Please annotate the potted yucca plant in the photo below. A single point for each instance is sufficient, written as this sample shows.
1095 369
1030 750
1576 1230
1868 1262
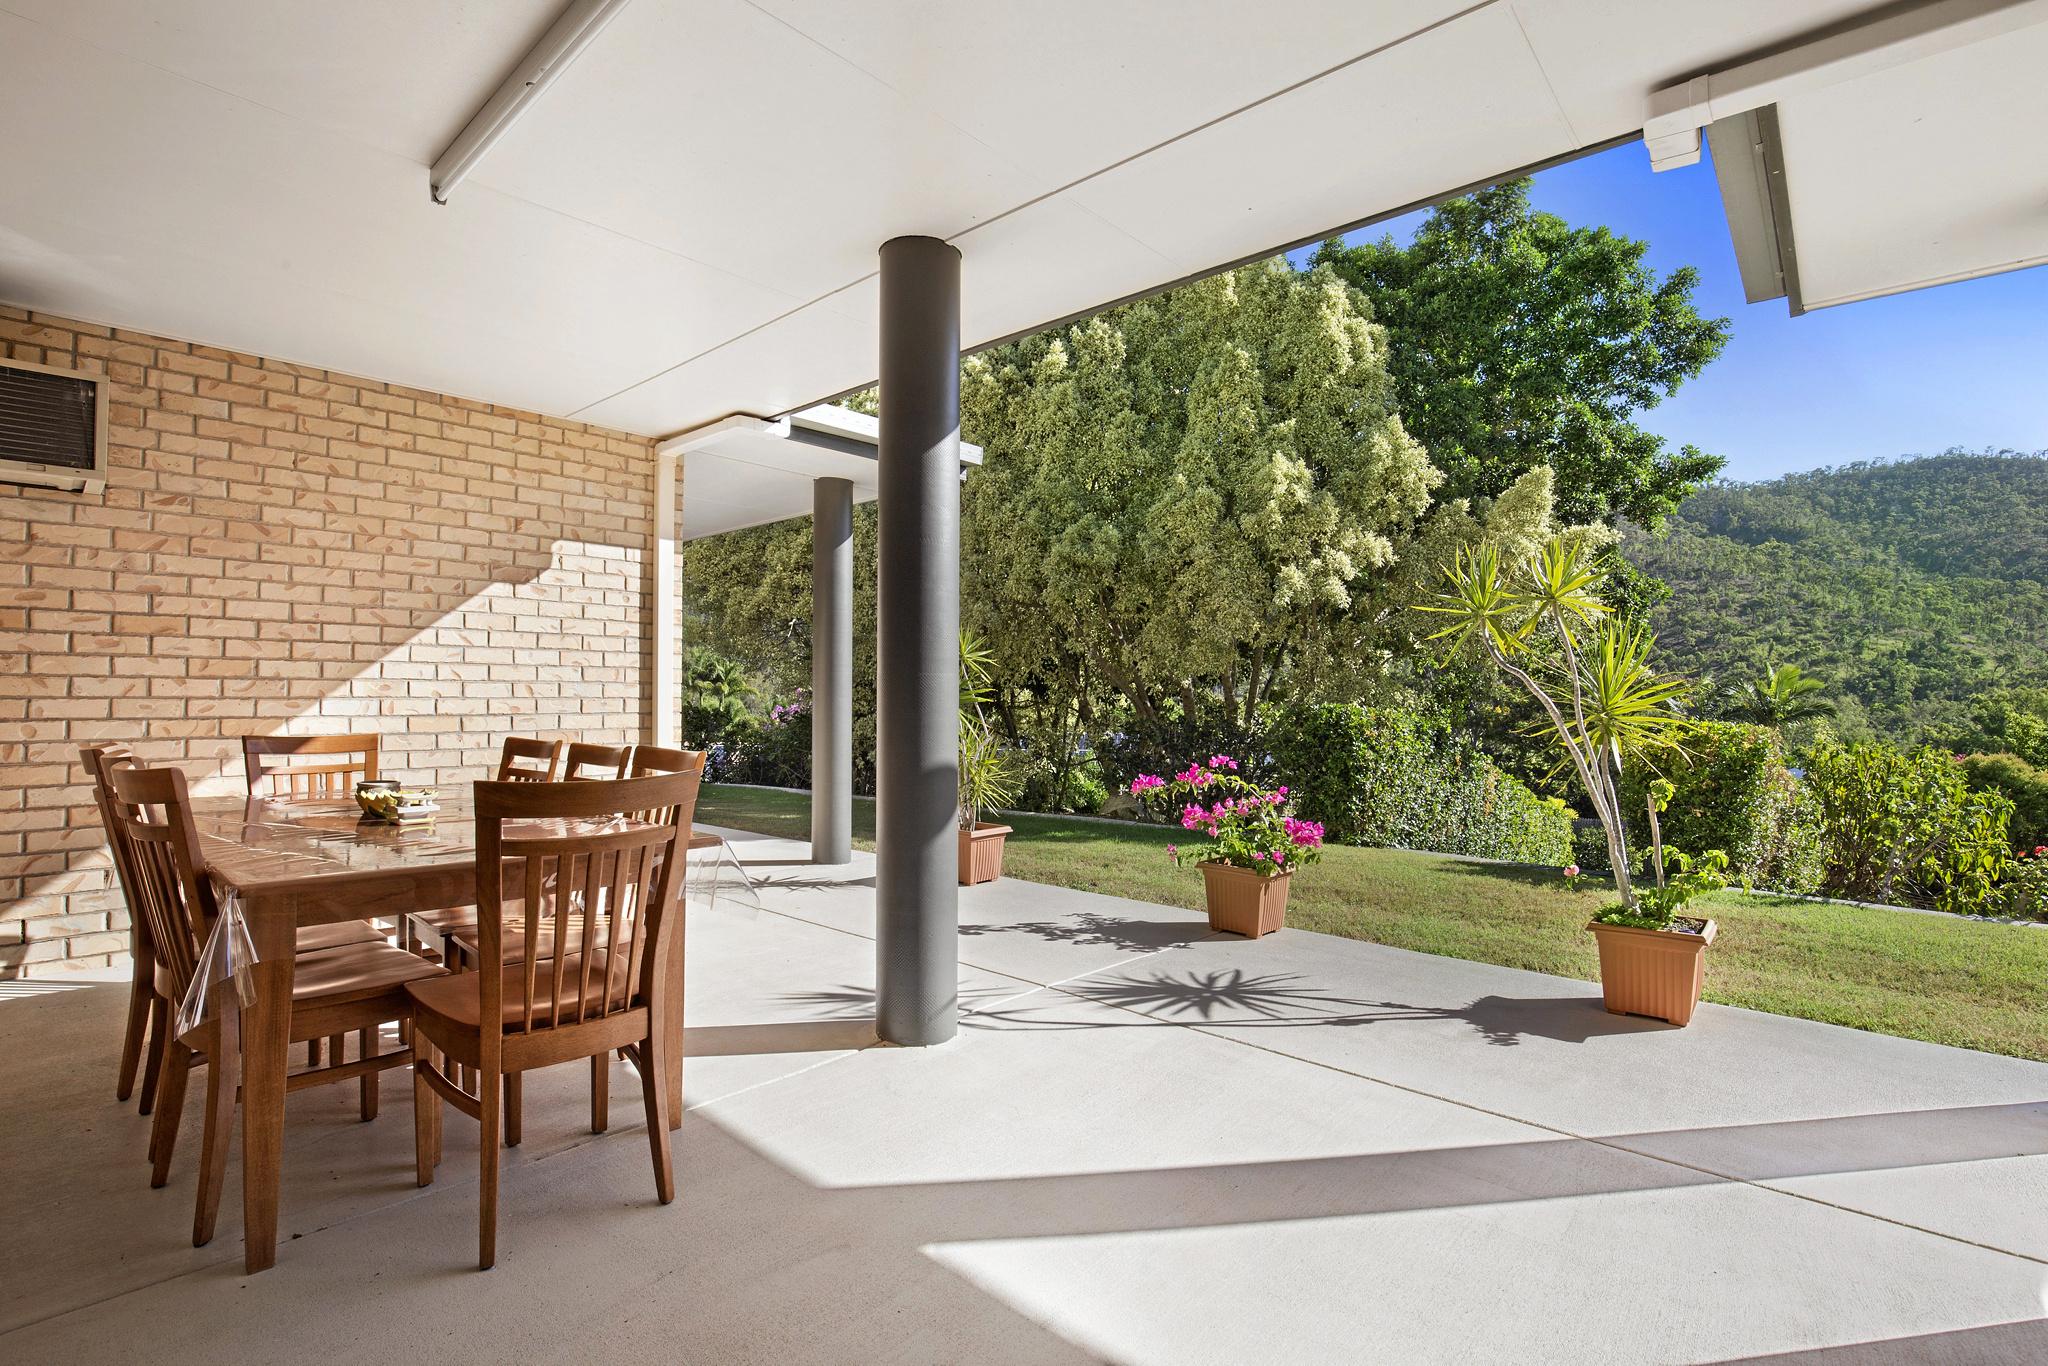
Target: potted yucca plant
1542 623
1253 847
989 779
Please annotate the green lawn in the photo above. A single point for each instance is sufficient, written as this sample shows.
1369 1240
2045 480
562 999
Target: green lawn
1919 976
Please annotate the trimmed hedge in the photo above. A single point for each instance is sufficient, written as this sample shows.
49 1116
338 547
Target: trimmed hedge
1733 792
1377 776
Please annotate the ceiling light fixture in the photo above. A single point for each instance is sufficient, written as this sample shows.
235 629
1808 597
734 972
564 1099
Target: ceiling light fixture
573 30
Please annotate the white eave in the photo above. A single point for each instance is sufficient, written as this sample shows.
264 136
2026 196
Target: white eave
743 471
1879 158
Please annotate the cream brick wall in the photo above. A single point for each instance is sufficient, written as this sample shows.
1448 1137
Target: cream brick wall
284 549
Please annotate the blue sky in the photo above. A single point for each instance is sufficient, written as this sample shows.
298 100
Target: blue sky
1958 365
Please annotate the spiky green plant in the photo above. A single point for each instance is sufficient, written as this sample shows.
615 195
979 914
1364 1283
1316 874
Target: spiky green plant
1542 623
989 777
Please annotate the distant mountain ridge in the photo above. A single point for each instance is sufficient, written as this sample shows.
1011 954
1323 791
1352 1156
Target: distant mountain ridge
1912 586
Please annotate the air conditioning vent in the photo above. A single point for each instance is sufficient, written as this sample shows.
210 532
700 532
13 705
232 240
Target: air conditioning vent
53 427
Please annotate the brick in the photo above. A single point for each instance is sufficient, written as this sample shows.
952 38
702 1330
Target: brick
282 548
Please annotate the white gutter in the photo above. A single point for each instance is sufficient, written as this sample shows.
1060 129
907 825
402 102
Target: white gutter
1675 115
725 426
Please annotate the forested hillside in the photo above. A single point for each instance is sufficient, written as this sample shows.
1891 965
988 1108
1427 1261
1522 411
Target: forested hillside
1911 586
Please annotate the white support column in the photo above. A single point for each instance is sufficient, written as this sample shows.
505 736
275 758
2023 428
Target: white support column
668 644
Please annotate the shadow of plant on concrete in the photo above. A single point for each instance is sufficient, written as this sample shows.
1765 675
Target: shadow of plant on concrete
1090 929
1237 999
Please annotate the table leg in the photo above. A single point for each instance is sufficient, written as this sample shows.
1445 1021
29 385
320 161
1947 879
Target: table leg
266 1048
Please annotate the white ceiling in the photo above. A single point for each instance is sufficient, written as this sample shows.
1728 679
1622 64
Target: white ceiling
685 224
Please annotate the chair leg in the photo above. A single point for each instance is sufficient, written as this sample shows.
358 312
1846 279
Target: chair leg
488 1085
312 1052
170 1105
337 1049
222 1080
132 1038
366 1039
654 1090
513 1109
426 1113
159 1035
600 1092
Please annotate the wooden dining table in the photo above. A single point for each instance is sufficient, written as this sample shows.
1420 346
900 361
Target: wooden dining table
317 862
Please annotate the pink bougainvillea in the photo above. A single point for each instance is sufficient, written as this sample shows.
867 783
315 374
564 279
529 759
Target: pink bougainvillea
1247 826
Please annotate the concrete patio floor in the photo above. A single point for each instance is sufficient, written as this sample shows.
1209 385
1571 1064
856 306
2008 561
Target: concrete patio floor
1148 1144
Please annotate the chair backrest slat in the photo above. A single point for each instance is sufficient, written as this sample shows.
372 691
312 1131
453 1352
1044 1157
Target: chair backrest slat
276 767
595 761
649 872
525 760
601 884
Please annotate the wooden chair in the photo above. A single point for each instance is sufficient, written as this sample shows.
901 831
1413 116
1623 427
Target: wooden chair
144 1006
600 865
595 761
529 761
336 778
522 760
453 932
638 761
660 759
148 1013
358 988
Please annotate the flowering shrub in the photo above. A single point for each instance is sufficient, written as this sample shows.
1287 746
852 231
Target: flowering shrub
1247 825
2023 891
1906 828
776 753
788 712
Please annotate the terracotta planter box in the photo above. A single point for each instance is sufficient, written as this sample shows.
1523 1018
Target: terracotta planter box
981 853
1657 973
1244 902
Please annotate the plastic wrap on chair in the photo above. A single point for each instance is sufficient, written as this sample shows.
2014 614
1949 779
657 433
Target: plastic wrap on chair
225 979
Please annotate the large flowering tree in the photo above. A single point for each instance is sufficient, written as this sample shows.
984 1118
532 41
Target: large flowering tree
1204 493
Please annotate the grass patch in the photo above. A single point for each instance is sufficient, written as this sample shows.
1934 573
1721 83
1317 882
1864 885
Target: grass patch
1927 977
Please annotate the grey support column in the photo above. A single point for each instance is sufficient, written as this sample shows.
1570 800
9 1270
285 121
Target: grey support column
832 671
917 647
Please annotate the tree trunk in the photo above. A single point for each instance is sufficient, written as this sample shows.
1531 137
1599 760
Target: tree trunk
1254 687
1617 833
1656 839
